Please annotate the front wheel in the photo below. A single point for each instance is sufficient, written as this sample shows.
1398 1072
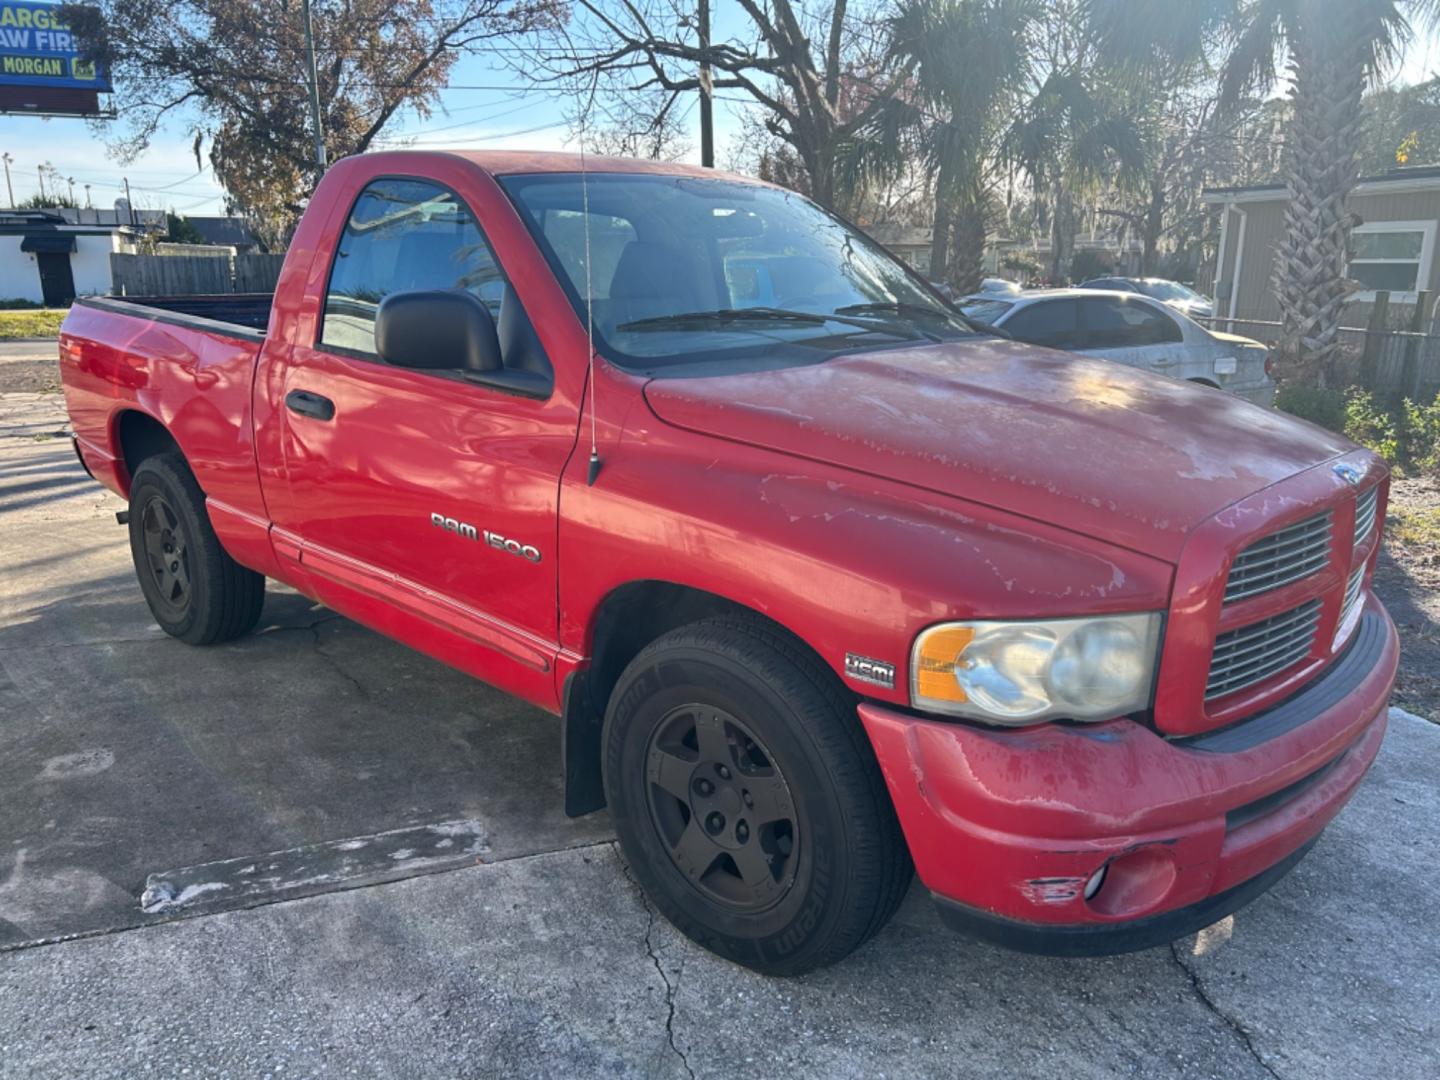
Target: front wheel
195 590
747 799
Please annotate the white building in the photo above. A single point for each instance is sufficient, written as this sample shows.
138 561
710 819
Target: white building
52 256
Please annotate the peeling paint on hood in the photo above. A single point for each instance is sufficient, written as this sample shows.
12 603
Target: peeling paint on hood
1122 455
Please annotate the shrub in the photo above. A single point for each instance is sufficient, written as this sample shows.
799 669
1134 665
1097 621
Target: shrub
1370 425
1422 436
1319 406
1407 436
15 303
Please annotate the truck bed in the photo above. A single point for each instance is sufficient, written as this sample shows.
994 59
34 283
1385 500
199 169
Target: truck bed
183 365
248 313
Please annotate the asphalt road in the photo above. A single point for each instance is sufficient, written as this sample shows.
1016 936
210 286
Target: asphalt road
315 852
29 366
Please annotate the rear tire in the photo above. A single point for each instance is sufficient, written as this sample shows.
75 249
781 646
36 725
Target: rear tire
747 798
196 592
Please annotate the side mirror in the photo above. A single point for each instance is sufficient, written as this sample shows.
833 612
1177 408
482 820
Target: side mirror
445 330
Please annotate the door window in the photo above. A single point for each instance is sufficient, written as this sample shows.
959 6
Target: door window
1120 324
404 235
1052 322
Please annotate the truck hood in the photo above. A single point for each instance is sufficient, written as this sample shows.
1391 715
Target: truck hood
1121 455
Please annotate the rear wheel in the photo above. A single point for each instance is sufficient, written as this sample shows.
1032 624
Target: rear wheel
747 799
195 591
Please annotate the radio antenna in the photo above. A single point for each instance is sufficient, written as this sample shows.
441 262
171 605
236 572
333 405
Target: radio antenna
594 471
589 314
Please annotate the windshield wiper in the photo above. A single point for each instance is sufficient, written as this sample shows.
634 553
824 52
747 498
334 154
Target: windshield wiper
722 317
900 307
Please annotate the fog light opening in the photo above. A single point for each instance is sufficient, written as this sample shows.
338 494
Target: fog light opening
1096 880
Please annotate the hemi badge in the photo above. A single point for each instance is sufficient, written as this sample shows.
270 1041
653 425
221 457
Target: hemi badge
867 670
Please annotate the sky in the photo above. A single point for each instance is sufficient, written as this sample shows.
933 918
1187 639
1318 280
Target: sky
504 114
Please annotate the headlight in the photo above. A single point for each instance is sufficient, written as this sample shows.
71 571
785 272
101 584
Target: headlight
1024 672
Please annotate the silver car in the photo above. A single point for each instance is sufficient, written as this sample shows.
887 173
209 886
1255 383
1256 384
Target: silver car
1181 297
1134 330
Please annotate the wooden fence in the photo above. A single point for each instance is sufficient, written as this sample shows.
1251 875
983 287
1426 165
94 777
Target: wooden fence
193 275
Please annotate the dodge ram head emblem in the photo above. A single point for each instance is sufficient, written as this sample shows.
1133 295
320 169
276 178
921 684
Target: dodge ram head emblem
1348 473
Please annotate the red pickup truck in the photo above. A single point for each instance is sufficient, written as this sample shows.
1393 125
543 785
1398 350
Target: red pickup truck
824 582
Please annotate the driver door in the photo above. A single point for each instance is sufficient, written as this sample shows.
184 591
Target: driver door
420 502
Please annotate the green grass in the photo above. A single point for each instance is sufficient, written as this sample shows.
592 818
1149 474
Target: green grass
1415 529
40 323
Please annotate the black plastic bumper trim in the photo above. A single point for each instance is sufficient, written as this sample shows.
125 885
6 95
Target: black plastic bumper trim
1107 939
1332 686
75 445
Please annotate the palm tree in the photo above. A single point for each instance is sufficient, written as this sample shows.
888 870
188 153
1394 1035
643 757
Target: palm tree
1332 51
985 88
1072 138
969 59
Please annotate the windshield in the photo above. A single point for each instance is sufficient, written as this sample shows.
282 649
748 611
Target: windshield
686 269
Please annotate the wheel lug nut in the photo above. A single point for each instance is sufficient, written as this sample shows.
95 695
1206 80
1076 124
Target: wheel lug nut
749 799
723 771
715 822
742 832
704 787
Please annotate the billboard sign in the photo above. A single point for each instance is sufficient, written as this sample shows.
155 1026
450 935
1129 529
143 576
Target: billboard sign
37 50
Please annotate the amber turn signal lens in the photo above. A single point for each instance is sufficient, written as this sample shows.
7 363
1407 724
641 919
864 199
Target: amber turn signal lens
935 662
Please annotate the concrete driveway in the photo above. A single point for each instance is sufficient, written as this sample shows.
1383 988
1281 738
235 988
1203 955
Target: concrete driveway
313 851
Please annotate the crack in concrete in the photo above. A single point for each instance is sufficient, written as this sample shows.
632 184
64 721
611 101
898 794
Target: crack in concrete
670 988
313 628
1242 1036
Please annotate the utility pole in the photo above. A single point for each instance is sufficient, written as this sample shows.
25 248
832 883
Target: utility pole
707 91
9 190
129 206
314 87
40 172
71 181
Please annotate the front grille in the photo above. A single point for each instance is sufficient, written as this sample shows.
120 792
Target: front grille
1365 514
1280 558
1253 653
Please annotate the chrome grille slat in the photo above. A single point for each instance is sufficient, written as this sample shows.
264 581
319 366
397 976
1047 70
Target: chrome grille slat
1365 513
1352 594
1292 553
1275 641
1243 680
1251 654
1297 549
1261 667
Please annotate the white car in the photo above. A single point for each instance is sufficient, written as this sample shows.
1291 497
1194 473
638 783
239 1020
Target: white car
1134 330
1181 297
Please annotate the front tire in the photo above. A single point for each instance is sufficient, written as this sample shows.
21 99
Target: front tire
195 591
747 799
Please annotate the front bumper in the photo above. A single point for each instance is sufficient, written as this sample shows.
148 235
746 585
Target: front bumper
1007 827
